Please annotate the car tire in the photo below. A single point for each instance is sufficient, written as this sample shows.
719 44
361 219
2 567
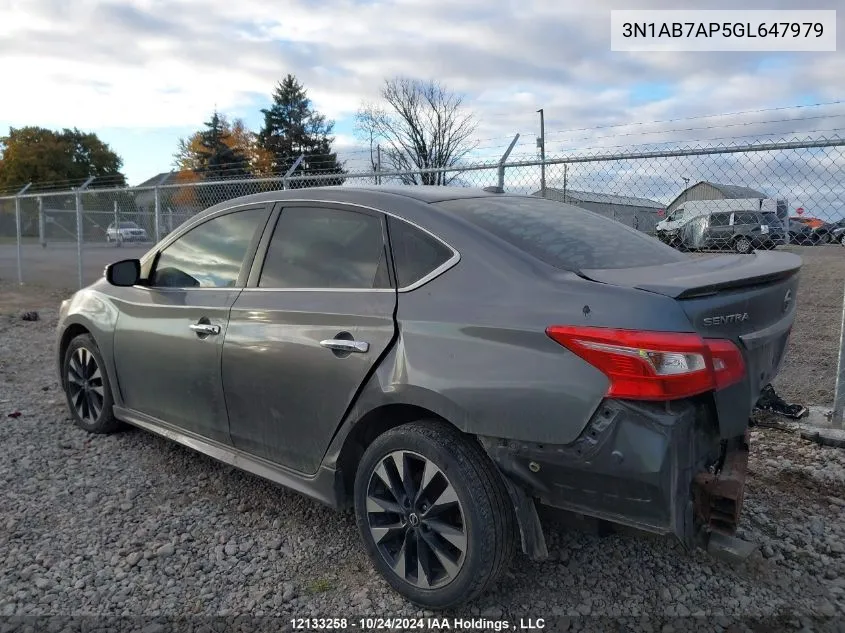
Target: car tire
743 245
87 388
477 521
842 239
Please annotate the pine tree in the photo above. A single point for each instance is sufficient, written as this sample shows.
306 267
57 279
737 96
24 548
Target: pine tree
291 128
218 157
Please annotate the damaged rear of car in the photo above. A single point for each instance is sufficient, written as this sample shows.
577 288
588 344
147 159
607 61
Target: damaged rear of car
668 354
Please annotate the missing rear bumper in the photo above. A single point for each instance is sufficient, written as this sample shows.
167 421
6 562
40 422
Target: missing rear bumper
719 496
635 465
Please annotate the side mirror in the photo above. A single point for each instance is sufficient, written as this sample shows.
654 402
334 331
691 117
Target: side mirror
126 272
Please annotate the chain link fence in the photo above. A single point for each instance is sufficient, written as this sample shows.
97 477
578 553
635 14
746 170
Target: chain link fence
737 197
788 194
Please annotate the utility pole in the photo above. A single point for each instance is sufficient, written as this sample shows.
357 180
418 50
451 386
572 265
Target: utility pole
541 143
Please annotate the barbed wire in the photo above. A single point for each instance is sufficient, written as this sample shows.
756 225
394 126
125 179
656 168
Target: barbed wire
703 116
699 143
711 127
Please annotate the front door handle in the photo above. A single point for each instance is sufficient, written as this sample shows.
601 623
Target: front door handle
206 329
344 345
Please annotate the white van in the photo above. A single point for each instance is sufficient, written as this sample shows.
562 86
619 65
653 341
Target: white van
669 228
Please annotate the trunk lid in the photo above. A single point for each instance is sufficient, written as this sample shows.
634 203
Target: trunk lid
749 299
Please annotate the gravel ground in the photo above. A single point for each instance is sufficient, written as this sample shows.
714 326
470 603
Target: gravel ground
131 525
809 370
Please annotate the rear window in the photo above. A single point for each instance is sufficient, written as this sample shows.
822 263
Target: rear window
562 235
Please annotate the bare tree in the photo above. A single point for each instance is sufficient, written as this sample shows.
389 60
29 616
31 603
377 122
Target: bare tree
420 125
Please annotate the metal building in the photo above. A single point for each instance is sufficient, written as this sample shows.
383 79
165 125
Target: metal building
640 213
713 191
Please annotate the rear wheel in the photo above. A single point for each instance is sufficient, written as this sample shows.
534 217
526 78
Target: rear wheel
87 387
433 513
743 245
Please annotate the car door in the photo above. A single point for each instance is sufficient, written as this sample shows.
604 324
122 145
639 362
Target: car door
747 223
719 230
170 331
304 335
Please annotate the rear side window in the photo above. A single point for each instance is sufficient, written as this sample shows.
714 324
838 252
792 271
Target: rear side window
325 248
745 218
720 219
562 235
415 253
771 219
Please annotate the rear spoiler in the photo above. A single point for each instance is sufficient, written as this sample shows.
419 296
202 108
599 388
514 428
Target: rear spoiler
701 276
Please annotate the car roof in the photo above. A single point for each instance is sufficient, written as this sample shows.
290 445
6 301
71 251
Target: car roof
372 195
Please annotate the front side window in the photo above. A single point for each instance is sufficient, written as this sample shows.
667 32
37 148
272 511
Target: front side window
209 255
315 247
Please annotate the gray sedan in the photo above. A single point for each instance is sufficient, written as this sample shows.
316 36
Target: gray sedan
443 361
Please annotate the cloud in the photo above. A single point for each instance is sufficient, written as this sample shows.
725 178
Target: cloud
157 64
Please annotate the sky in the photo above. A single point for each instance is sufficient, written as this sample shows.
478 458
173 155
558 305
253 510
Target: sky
143 73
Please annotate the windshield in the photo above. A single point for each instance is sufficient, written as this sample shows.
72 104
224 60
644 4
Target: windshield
562 235
128 225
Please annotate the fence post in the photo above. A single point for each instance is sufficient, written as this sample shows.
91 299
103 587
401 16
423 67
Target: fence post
18 237
157 212
117 240
839 393
293 167
378 164
157 209
42 223
79 228
565 166
501 166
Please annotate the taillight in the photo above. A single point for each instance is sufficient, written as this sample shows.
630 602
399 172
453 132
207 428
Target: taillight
654 365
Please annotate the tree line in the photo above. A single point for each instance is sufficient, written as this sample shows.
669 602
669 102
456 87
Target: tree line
415 125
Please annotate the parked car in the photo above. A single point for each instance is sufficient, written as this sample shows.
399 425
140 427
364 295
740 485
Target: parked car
688 216
742 231
809 231
126 232
837 232
442 360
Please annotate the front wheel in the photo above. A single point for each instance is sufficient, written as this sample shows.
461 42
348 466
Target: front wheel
433 513
87 387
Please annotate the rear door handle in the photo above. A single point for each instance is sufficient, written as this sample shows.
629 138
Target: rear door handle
205 328
343 345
